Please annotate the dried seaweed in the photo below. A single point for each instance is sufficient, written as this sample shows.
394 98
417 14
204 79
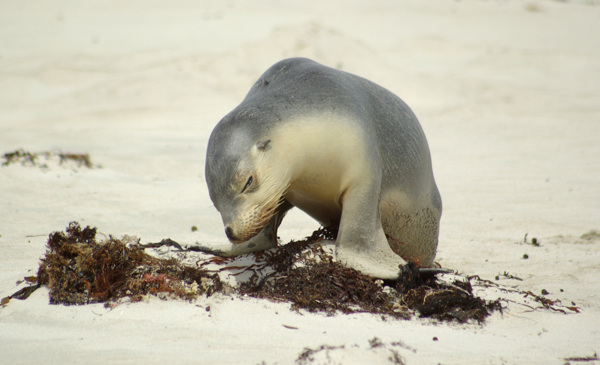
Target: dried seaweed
25 157
325 286
545 303
308 355
305 275
308 278
592 358
443 301
78 269
32 158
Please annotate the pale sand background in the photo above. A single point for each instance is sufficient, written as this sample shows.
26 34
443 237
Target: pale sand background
508 93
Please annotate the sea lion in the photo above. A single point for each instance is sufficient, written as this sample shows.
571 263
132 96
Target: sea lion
344 150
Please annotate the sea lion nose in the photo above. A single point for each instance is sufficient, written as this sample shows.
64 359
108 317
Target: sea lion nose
229 233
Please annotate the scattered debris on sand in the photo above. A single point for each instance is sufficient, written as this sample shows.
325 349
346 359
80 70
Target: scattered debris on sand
27 158
582 359
308 355
79 269
323 353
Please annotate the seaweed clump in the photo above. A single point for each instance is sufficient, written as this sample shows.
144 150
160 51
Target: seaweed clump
321 285
305 275
433 298
78 269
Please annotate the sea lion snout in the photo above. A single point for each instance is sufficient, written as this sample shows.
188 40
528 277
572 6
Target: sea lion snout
230 234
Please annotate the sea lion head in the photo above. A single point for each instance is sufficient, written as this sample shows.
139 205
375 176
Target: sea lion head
245 181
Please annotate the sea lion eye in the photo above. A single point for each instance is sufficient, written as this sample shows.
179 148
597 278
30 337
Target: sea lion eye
248 183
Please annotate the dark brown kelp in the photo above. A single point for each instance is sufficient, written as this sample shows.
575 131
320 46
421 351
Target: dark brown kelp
78 270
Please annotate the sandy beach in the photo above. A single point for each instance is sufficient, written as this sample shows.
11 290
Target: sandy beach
507 92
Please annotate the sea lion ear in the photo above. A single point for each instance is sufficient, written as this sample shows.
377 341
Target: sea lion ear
263 145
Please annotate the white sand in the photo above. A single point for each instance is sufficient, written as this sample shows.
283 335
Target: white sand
508 93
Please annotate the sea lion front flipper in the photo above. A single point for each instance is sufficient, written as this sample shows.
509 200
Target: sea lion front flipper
265 240
361 242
